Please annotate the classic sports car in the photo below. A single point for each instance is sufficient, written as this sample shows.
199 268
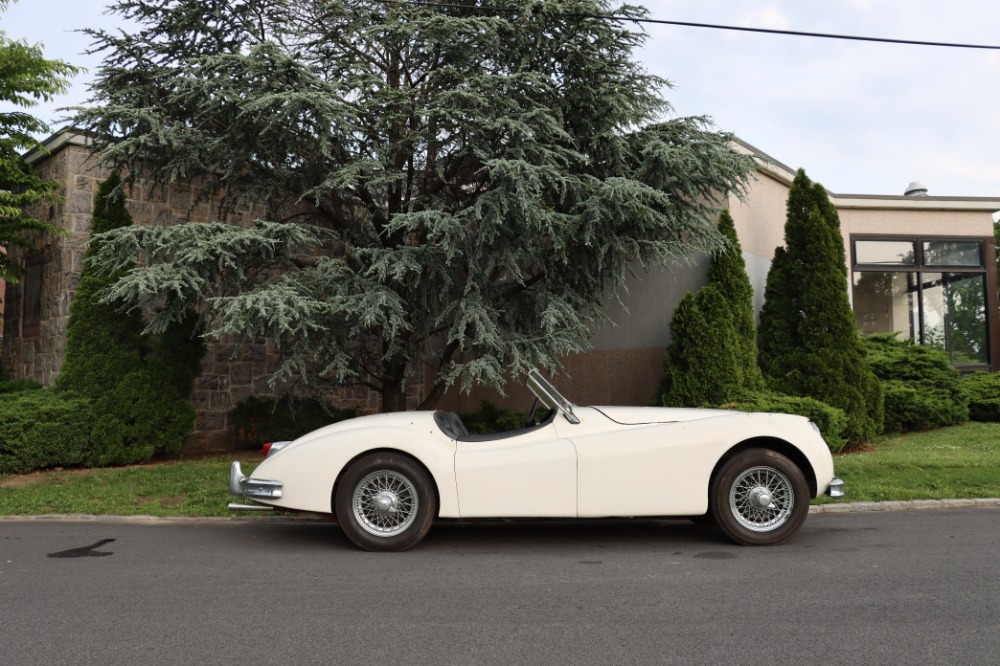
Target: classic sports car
387 477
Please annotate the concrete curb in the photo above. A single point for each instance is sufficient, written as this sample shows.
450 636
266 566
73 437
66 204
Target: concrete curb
908 505
851 507
163 520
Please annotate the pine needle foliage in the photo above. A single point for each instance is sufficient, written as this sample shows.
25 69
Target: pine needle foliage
808 340
455 188
922 388
26 78
701 368
712 355
728 272
139 386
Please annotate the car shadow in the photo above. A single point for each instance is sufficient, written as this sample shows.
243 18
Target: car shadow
509 535
536 534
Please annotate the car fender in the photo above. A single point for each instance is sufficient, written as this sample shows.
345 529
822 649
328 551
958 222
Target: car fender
310 466
665 468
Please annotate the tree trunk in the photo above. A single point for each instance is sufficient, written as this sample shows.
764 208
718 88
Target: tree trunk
393 388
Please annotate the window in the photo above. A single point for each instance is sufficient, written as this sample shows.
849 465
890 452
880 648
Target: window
932 291
31 318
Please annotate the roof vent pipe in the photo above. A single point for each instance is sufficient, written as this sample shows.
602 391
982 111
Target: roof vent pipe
916 189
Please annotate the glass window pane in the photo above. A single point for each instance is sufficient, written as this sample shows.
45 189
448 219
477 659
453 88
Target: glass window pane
955 316
900 253
886 302
952 253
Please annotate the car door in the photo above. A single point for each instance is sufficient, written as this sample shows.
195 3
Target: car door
651 470
529 475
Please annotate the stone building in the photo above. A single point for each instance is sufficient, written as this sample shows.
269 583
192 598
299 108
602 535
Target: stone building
34 326
904 254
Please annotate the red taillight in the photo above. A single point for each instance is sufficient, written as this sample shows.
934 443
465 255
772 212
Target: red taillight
272 448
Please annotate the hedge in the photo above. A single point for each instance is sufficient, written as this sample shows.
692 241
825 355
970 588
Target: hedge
983 392
831 421
41 429
17 385
259 420
922 389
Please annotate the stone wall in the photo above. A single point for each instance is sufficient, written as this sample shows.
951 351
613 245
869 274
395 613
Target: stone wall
231 373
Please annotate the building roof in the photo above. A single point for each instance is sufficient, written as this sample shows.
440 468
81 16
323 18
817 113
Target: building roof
67 136
781 172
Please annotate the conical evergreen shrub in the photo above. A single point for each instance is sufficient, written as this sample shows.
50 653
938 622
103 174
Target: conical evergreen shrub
140 386
700 369
808 341
727 272
712 355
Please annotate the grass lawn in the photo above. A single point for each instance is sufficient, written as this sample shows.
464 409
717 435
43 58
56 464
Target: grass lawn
185 488
962 462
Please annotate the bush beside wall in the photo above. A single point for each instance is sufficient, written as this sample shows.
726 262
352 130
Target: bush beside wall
922 389
831 421
809 343
140 385
261 420
18 385
41 429
982 389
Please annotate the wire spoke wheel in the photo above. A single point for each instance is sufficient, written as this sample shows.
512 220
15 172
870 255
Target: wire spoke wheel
761 499
385 503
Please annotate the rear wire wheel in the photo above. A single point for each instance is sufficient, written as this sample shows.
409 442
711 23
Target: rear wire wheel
759 497
385 502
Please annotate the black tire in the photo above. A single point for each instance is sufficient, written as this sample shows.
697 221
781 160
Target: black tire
740 489
385 502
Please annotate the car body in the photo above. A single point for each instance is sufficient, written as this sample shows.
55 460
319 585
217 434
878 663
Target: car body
387 477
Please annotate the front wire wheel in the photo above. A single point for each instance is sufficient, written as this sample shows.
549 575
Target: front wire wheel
759 497
385 502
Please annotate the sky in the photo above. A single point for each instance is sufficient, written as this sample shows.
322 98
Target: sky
860 118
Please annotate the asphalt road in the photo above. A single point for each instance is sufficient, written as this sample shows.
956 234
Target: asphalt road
911 587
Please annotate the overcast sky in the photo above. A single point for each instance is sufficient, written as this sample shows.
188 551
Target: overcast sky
861 118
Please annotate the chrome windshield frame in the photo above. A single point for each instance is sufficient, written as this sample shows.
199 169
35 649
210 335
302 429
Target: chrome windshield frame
549 396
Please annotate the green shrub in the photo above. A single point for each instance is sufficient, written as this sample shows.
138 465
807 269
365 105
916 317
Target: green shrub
728 273
831 421
712 355
922 389
133 423
43 429
983 392
700 368
261 420
140 385
491 418
18 385
809 342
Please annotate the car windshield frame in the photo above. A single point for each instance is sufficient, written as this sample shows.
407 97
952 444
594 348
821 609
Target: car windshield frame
548 395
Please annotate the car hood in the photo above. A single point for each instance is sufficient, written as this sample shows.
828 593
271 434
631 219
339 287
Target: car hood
643 415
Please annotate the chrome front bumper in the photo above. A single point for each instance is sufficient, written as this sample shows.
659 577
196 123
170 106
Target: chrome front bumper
252 489
836 488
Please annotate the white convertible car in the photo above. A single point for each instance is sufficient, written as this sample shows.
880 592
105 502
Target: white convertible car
387 477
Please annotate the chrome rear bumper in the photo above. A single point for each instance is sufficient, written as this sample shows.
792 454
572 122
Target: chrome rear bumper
836 488
252 489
